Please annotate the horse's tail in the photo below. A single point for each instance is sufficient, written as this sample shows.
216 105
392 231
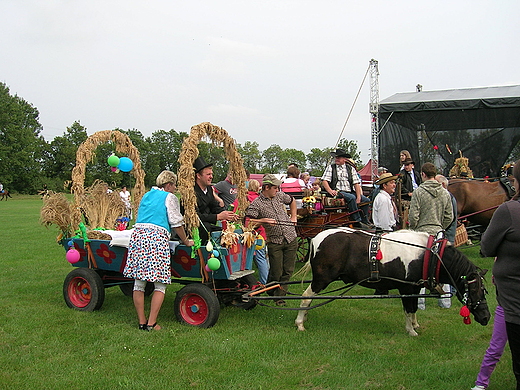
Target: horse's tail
305 269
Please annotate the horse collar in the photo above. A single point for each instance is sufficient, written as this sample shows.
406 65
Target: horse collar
374 256
432 264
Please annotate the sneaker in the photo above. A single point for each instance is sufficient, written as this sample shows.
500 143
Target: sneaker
478 387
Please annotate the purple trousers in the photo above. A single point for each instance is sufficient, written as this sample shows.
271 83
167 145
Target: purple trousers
495 350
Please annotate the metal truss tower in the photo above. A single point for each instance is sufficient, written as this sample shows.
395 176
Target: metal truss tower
374 114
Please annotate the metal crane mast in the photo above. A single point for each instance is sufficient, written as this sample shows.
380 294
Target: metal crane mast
374 113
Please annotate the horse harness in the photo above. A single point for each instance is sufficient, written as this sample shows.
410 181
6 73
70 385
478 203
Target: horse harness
431 264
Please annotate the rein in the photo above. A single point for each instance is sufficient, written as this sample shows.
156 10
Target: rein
478 212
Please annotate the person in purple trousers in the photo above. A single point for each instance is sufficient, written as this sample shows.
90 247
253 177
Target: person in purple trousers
494 352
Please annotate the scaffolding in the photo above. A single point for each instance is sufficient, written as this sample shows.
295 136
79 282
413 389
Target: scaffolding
374 116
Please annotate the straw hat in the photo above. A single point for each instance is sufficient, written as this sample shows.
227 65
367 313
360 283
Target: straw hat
385 178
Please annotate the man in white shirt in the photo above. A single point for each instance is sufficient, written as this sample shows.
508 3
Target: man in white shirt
384 211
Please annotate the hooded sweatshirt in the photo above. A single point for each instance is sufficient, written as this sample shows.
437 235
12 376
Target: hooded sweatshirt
430 208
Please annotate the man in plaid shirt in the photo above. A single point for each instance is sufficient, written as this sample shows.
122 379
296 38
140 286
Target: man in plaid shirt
341 180
269 209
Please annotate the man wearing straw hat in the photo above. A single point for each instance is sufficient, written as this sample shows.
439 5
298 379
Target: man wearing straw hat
342 180
384 211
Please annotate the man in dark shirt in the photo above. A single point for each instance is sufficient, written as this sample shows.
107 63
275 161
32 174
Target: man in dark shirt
208 208
410 179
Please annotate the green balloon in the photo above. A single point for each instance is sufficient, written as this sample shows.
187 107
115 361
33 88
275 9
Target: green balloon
213 264
113 161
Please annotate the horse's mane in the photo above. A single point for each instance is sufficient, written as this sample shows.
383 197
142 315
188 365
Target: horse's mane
460 264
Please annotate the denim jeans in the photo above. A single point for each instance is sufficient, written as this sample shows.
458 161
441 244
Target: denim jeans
262 264
350 200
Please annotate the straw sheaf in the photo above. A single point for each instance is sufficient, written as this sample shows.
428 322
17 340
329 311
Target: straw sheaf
86 153
100 208
58 210
190 152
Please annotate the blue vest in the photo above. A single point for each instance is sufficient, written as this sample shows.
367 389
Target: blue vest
152 209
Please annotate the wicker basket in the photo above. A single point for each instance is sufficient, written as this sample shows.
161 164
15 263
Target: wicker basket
461 235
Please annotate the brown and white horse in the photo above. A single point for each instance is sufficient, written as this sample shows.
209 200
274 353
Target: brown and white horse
343 253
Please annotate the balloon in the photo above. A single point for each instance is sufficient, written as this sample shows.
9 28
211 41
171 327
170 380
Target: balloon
73 256
207 268
125 164
209 246
216 253
113 160
214 264
114 169
260 242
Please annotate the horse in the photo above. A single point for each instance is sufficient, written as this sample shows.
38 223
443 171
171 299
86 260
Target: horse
5 195
343 253
478 198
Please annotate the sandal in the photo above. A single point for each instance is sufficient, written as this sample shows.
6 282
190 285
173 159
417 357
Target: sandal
143 326
152 327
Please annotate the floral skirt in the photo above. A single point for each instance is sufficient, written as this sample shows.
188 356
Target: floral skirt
148 255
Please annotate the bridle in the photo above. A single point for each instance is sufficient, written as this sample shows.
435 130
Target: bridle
465 297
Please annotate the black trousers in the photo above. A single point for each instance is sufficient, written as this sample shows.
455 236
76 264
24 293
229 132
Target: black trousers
513 335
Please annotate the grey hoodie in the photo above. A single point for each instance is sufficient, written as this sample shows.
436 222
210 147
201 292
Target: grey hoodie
430 208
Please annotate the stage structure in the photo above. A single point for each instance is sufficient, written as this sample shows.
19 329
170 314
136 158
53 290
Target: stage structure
436 126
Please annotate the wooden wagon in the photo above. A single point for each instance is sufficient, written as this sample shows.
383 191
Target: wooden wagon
100 262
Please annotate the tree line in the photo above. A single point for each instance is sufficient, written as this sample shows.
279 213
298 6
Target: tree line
28 163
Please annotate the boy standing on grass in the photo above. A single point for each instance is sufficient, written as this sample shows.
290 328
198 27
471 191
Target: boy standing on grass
270 211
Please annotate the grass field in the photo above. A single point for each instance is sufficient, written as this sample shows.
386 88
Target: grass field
349 344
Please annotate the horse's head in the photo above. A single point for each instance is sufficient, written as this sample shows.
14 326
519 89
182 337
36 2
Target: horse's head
473 295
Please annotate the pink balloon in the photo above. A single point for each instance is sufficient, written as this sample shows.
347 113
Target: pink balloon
73 256
207 268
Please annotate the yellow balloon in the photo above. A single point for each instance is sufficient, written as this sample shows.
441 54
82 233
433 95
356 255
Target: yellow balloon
209 246
261 244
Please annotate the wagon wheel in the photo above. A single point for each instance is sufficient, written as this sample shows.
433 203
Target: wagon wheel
128 289
83 290
238 287
302 253
196 305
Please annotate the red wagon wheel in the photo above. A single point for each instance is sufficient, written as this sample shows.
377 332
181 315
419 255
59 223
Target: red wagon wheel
197 305
83 290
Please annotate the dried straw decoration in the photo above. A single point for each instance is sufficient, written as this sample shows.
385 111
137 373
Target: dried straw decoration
249 235
190 152
229 236
101 208
58 210
86 153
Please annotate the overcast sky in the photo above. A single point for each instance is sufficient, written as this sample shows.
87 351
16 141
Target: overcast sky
275 72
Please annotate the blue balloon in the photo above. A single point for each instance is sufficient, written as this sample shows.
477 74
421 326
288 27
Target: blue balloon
125 164
216 253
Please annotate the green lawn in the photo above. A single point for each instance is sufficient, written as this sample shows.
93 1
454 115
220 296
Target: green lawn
349 344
